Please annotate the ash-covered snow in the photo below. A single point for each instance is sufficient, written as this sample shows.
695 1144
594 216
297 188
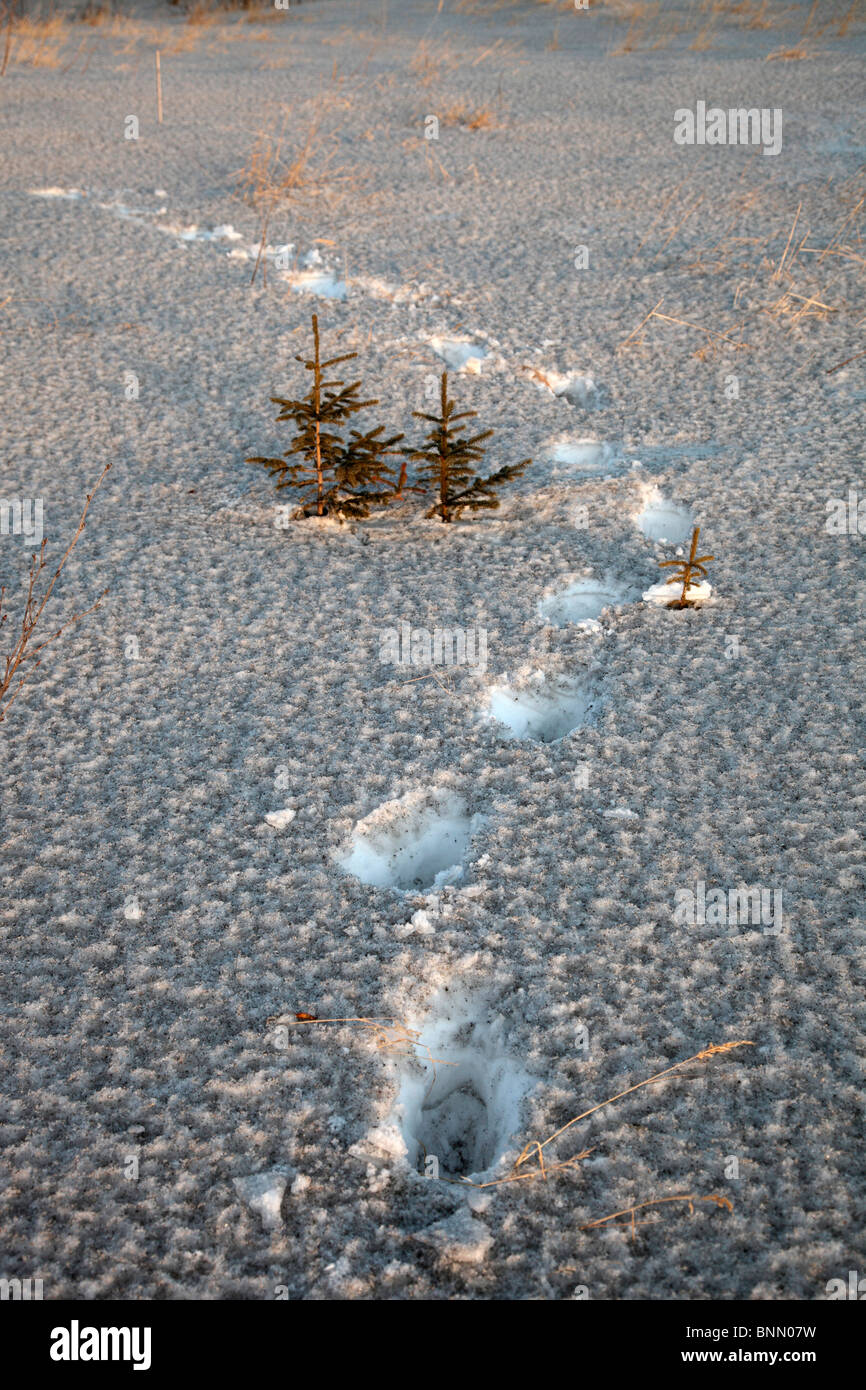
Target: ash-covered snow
164 1135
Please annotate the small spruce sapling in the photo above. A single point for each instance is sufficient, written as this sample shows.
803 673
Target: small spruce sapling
449 461
340 476
687 571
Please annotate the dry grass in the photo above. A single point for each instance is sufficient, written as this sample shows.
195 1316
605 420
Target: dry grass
535 1149
276 170
715 336
432 60
460 113
787 273
36 43
390 1036
97 12
651 26
630 1212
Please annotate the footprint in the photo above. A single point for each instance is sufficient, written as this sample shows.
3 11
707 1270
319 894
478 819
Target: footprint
662 520
578 388
588 457
418 842
459 354
581 602
323 283
459 1115
545 714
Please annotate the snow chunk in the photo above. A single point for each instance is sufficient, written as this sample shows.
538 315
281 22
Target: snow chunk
323 283
263 1193
663 594
578 388
280 819
384 1144
461 1238
459 354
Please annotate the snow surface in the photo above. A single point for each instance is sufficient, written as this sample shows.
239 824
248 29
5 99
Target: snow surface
154 924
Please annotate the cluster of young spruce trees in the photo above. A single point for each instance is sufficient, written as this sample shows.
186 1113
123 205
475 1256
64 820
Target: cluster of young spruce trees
344 472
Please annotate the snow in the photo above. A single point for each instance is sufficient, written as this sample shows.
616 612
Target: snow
461 1238
577 388
662 520
456 837
585 457
663 593
263 1193
459 354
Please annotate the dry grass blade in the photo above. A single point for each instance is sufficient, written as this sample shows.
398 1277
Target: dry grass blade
629 1212
535 1148
714 1050
713 335
839 365
394 1037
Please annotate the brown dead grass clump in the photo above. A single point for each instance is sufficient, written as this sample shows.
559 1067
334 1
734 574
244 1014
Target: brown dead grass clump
278 169
460 113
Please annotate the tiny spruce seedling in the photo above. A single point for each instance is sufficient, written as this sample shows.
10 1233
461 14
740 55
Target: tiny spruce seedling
687 571
337 475
448 463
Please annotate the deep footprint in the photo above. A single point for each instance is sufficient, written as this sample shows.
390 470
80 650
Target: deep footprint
666 521
545 714
459 1119
581 602
412 844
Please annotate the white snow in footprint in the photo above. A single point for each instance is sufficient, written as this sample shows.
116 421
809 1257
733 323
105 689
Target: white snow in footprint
577 388
661 520
459 354
460 1115
418 842
589 457
581 602
69 194
313 277
545 714
319 282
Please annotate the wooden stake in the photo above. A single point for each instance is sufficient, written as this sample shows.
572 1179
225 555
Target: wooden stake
158 90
